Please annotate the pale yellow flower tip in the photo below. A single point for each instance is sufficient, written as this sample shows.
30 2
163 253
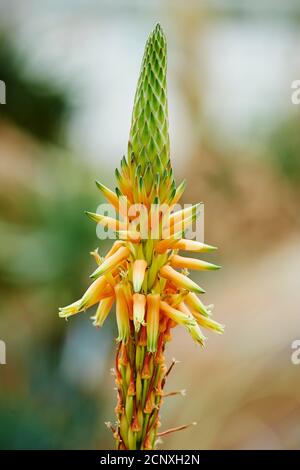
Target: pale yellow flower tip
138 274
69 310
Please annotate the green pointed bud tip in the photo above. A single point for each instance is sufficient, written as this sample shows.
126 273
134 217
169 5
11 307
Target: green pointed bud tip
90 215
138 170
124 162
94 275
209 248
93 216
216 267
149 135
197 289
213 267
172 194
99 185
182 186
132 158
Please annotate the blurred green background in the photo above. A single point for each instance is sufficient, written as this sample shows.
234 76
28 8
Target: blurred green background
70 70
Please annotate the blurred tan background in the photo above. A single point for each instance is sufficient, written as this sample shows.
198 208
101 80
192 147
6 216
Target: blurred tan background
70 70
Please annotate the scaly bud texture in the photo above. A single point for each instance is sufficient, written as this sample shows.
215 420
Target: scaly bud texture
139 274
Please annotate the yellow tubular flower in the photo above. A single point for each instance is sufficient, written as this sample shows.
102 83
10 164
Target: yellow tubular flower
102 311
192 263
180 280
136 277
112 262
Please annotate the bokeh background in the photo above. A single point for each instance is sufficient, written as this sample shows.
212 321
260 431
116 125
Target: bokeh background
70 69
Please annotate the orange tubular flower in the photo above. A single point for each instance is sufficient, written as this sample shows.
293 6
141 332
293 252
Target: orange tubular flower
137 274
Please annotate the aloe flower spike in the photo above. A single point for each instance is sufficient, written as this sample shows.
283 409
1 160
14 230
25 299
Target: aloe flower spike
139 274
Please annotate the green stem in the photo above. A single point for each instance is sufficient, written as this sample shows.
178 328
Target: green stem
140 376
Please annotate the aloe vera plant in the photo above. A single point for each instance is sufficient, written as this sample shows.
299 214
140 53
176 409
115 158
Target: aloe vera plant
139 273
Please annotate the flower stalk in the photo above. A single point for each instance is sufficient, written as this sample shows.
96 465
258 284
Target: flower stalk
139 274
